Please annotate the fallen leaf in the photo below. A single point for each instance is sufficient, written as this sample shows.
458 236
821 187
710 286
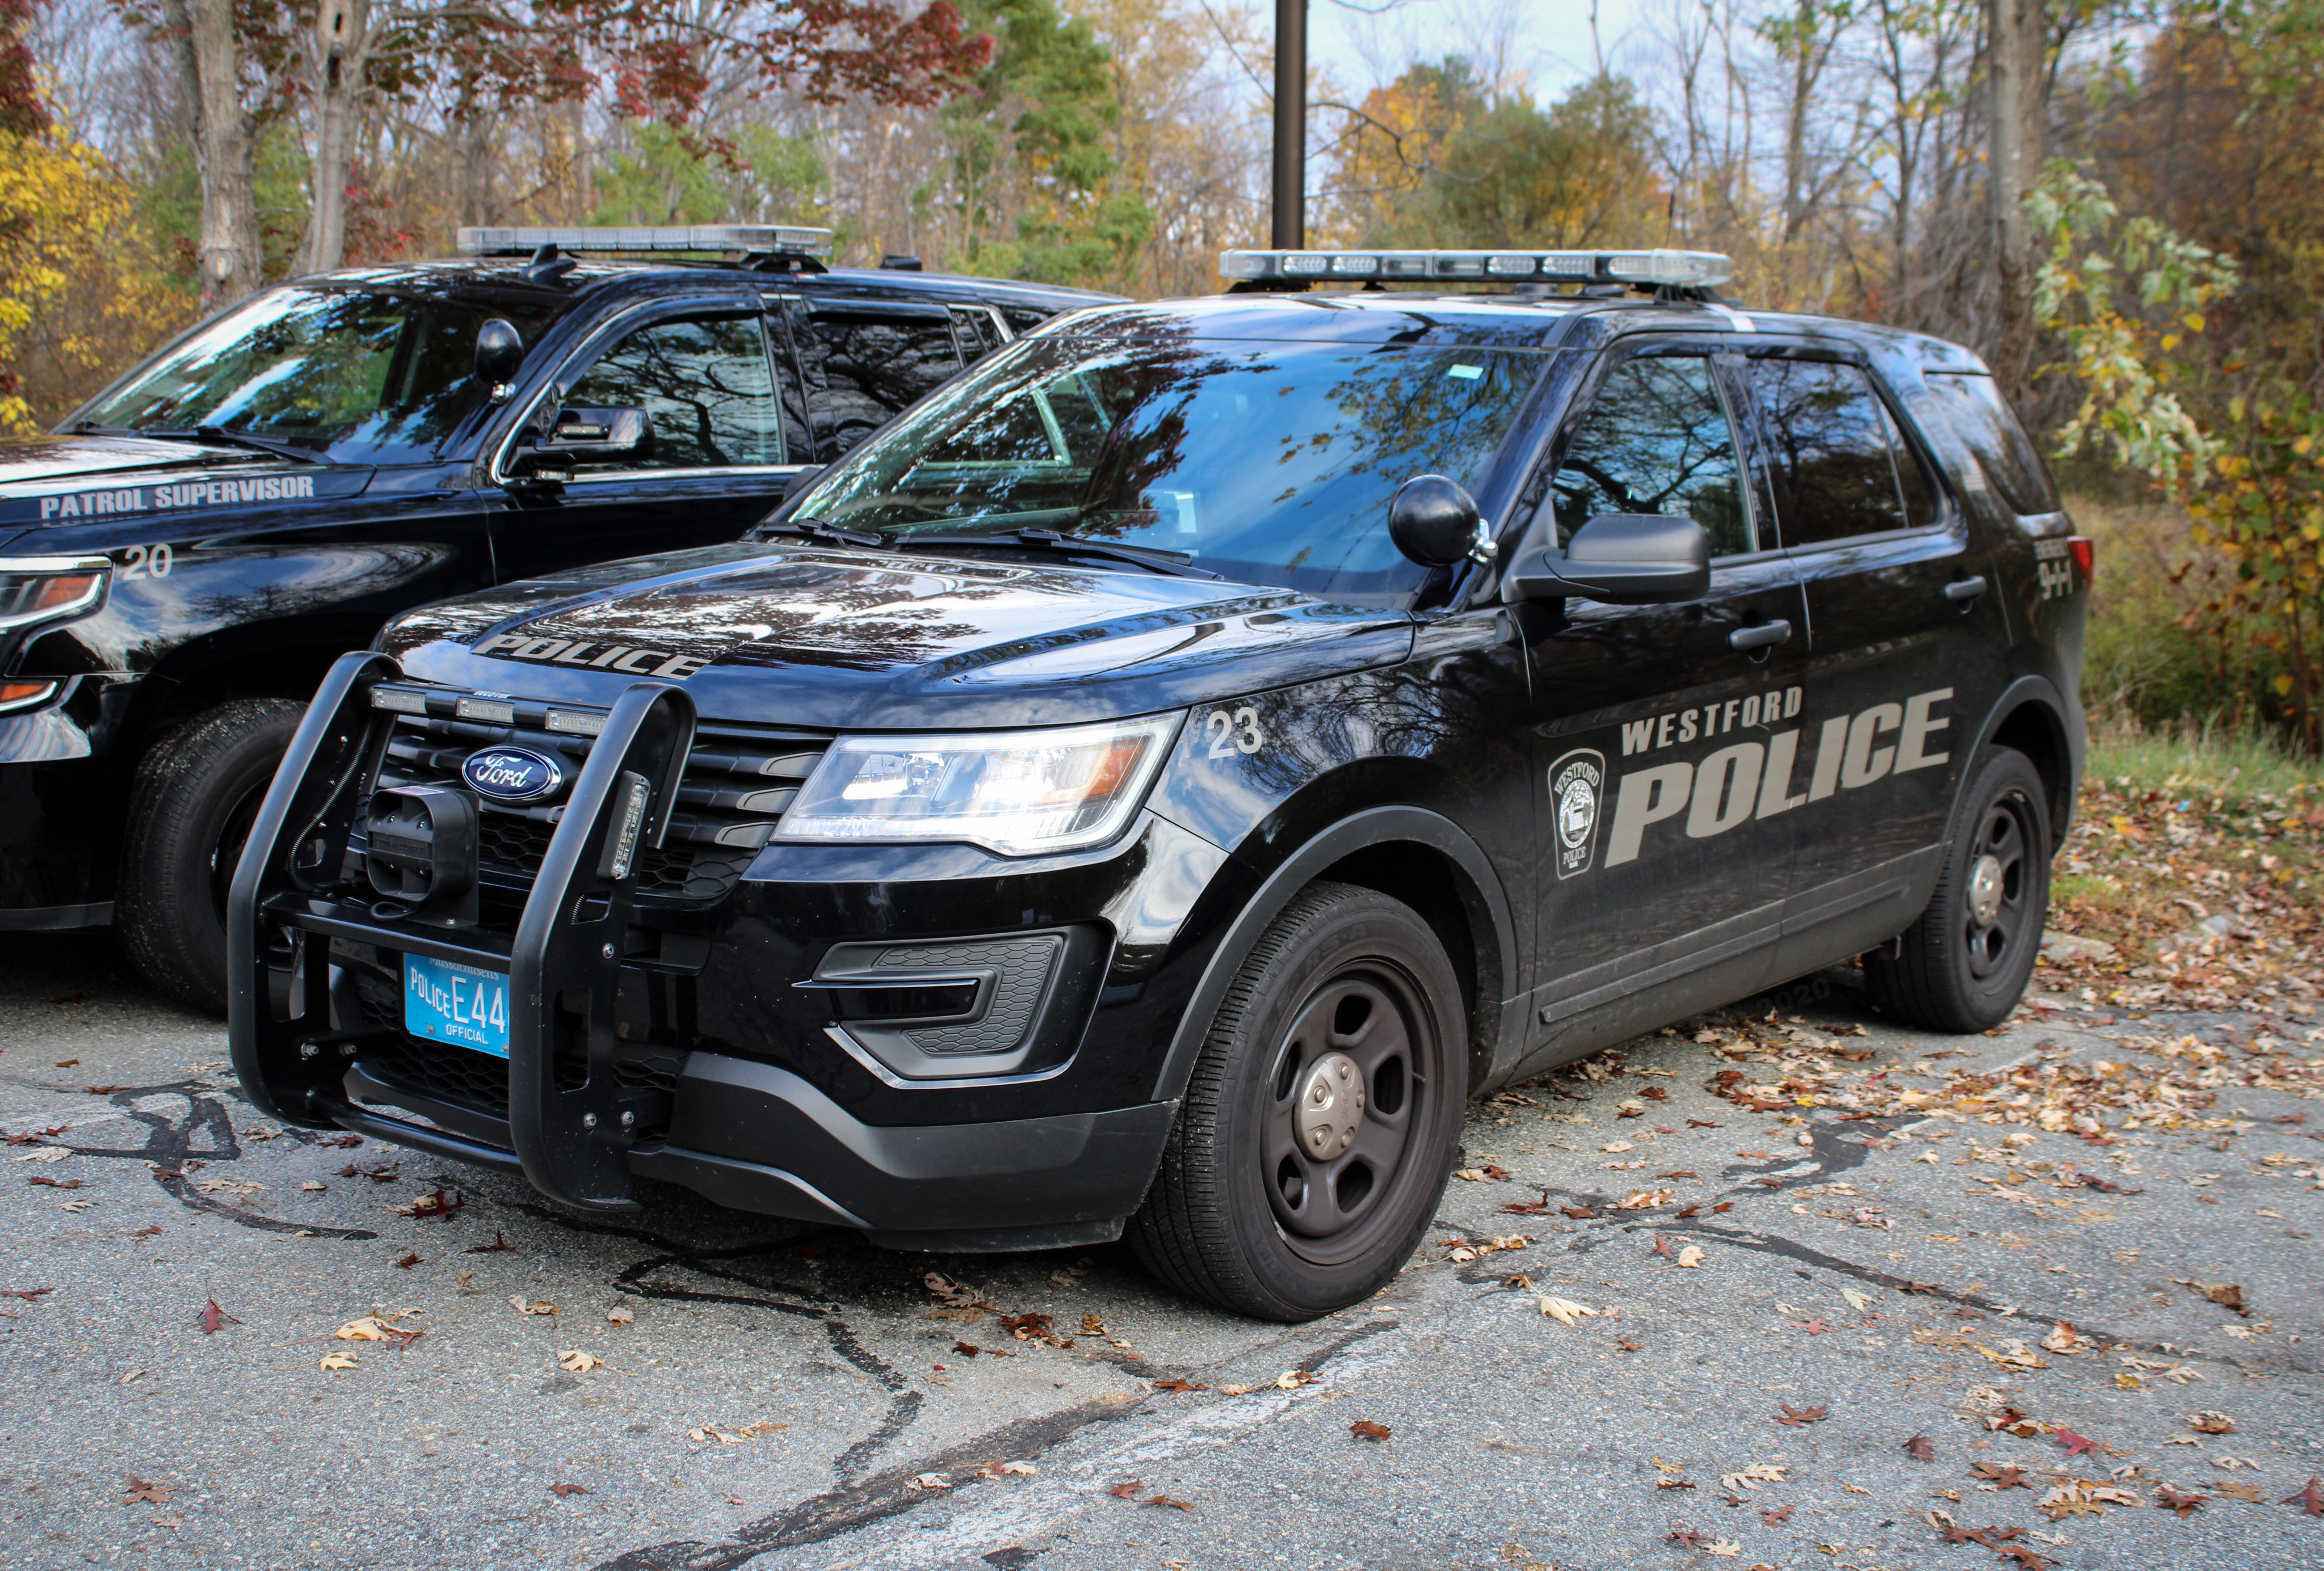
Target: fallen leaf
566 1491
1565 1312
1092 1326
1292 1379
2210 1423
150 1493
1365 1429
2310 1500
1177 1387
1758 1473
578 1361
1126 1490
67 1063
2065 1339
213 1318
1164 1500
930 1481
2248 1492
1025 1328
1690 1257
622 1315
334 1361
1921 1448
966 1349
409 1261
2173 1500
1856 1301
497 1244
524 1305
1778 1516
2000 1476
48 1183
1813 1327
1794 1418
1579 1213
314 1185
2075 1444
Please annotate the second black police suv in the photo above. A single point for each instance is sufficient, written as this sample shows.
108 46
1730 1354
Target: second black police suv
1155 783
182 560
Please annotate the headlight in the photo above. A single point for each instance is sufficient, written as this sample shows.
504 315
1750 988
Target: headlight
44 589
1018 793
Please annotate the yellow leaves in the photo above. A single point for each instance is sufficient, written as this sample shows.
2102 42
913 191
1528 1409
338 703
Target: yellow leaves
333 1363
578 1361
1565 1312
1690 1257
2193 321
1752 1476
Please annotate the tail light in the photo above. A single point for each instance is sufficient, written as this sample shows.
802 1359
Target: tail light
2084 553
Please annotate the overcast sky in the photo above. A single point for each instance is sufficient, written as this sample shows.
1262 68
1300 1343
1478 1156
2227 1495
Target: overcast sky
1364 43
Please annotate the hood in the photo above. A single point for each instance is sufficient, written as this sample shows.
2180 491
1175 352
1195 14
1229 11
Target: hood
781 634
64 480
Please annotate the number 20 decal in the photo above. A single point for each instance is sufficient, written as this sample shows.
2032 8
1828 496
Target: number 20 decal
147 562
1233 733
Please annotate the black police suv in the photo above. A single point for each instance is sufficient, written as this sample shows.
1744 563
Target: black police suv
1154 783
182 560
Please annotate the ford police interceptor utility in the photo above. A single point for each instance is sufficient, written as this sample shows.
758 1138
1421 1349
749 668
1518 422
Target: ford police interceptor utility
182 560
1154 783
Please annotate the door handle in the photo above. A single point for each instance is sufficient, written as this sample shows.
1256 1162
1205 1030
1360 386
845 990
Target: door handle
1964 588
1766 636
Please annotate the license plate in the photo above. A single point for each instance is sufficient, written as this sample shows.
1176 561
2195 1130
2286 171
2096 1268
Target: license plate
456 1004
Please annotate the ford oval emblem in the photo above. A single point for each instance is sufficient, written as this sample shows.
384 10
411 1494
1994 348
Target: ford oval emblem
512 774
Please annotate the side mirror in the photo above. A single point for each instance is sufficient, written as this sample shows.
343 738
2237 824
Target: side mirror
1435 522
587 435
499 350
1621 559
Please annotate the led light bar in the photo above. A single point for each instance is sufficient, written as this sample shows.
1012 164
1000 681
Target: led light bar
1672 269
786 239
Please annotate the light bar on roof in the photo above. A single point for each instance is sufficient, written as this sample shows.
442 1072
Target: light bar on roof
1673 268
786 239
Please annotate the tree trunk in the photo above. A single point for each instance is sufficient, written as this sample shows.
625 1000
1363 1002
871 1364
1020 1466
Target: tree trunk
225 148
2017 42
341 53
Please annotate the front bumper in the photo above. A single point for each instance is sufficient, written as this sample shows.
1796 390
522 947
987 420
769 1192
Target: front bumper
696 1048
63 800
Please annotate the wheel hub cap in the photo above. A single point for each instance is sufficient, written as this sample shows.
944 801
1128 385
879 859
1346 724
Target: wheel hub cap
1330 1107
1985 890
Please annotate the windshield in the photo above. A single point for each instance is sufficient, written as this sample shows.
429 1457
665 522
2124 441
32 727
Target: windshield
1266 463
358 377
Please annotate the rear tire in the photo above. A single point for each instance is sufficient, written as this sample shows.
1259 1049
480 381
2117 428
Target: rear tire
189 811
1964 964
1320 1121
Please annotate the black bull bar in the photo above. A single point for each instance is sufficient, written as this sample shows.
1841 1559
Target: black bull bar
563 961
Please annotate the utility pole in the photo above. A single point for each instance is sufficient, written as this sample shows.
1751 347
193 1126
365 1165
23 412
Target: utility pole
1290 198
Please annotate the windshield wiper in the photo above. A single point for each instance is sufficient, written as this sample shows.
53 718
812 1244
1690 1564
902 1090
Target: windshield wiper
816 529
1178 564
212 434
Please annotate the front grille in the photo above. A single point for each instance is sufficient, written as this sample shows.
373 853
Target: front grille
737 782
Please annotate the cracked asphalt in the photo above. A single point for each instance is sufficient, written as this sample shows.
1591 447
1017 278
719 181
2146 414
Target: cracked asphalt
781 1397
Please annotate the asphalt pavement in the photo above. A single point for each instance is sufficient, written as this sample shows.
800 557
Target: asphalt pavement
1701 1328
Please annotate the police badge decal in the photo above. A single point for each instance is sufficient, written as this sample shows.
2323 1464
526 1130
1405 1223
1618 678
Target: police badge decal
1576 782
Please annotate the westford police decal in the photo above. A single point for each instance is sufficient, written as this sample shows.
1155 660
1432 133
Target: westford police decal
1576 782
583 653
1755 779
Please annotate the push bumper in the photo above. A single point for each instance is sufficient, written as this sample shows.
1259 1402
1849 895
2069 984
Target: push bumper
746 1134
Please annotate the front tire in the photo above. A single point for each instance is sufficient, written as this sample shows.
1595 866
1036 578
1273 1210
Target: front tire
190 809
1320 1121
1964 964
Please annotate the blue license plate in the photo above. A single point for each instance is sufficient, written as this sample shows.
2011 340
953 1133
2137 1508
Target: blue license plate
458 1004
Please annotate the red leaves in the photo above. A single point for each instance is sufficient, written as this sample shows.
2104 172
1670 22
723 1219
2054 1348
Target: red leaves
379 1173
497 1244
34 1136
407 1261
1662 1248
1025 1328
565 1491
1686 1536
1921 1448
1722 1206
2000 1477
2024 1556
29 1294
1813 1327
341 1142
150 1493
1778 1516
69 1064
2310 1500
1579 1213
2183 1503
1129 1491
438 1204
1126 1490
1177 1387
966 1349
2075 1444
1500 1175
214 1318
1795 1418
1365 1429
1164 1500
50 1183
103 1090
1703 1123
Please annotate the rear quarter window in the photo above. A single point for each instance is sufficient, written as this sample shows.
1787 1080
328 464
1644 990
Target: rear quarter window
1987 425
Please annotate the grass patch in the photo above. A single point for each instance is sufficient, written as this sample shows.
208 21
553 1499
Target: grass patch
2233 768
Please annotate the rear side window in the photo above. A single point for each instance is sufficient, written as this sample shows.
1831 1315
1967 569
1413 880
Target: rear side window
1984 421
1833 452
980 331
864 368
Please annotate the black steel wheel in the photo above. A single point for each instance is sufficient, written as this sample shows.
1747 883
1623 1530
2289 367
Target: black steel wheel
1320 1121
196 794
1964 964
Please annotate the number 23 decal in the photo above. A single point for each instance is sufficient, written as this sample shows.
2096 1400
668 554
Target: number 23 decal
1233 733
